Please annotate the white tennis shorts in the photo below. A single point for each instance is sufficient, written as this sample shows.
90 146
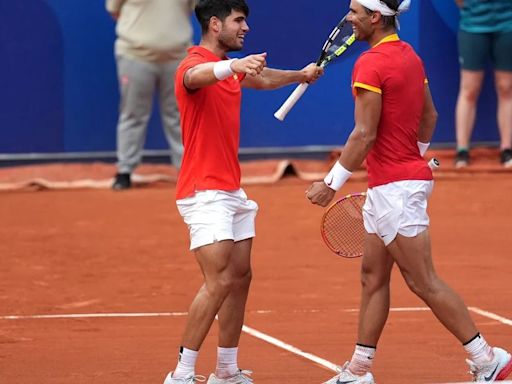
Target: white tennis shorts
215 215
399 207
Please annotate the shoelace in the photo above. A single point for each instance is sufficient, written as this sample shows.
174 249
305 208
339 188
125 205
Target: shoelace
193 379
475 370
245 376
340 369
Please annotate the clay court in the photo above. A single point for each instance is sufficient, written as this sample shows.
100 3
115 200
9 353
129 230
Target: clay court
95 285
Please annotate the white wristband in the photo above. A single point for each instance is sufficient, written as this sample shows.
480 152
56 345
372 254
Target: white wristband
337 176
423 147
222 69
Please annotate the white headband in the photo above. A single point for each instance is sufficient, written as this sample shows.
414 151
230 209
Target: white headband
380 6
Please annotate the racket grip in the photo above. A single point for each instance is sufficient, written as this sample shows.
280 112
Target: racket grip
290 101
434 163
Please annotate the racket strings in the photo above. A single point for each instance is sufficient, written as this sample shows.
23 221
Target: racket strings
343 227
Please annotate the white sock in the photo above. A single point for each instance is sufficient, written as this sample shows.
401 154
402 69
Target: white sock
226 362
186 363
362 359
479 351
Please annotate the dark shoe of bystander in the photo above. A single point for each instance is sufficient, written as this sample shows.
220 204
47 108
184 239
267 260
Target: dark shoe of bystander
462 158
506 158
122 181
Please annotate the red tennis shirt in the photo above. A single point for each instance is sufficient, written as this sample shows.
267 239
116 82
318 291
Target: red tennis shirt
210 125
392 69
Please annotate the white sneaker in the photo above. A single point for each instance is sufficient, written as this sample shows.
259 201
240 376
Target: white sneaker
191 379
347 377
241 377
498 369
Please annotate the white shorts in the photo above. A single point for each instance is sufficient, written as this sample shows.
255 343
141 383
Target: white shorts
399 207
215 215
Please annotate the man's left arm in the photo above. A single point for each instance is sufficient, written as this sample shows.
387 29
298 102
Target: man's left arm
367 117
270 78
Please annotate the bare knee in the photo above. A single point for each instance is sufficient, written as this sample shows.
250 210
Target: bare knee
230 281
221 286
424 288
504 90
373 280
243 280
470 95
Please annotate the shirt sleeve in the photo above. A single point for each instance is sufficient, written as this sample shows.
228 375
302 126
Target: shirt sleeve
366 75
187 63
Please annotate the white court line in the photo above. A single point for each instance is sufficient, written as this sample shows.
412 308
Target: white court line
397 309
251 331
93 315
491 315
481 312
288 347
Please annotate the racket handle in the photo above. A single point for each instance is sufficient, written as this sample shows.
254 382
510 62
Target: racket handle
434 163
290 101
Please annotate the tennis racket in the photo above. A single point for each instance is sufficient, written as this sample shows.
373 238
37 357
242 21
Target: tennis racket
338 41
342 225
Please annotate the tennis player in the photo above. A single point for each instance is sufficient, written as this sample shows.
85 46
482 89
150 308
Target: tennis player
217 211
394 121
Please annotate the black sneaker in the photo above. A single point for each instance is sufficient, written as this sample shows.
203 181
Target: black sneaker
506 157
462 159
122 181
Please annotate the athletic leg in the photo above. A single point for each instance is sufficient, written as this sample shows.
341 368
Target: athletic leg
375 294
413 257
232 311
214 260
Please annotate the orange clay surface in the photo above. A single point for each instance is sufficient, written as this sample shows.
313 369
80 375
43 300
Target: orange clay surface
101 252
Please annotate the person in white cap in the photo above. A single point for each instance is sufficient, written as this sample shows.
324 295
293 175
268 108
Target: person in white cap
394 121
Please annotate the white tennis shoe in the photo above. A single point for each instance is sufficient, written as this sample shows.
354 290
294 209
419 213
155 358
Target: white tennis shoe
498 369
241 377
190 379
346 377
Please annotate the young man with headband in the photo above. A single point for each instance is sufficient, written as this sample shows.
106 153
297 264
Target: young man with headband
394 121
217 211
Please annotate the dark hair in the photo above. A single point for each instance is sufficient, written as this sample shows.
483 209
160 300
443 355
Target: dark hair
206 9
388 21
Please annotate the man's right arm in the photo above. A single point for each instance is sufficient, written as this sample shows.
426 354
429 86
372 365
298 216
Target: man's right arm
367 116
114 7
205 74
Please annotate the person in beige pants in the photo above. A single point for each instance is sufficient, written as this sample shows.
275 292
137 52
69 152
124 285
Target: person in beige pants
152 38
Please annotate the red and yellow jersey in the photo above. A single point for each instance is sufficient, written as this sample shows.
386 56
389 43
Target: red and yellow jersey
392 69
210 124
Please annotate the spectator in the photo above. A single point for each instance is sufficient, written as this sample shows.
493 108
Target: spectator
485 32
152 38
